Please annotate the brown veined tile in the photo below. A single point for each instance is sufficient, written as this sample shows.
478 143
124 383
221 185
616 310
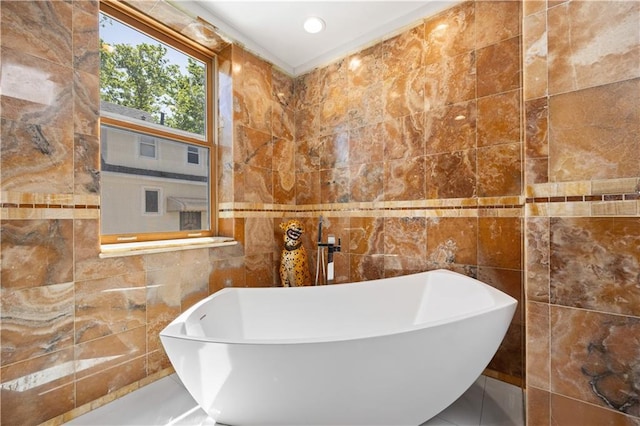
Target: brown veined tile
334 151
451 128
364 68
194 285
45 382
500 170
538 258
365 105
499 119
308 188
452 241
284 179
496 21
95 356
366 267
450 33
533 6
281 83
227 273
88 264
404 137
594 358
307 155
508 281
41 29
86 165
255 88
535 76
451 175
450 81
366 144
593 133
404 179
536 170
581 51
405 236
35 157
253 147
259 235
366 182
500 242
509 357
102 382
109 305
164 300
258 185
537 408
86 89
395 265
259 270
334 111
307 121
332 79
498 67
567 411
157 361
283 118
36 252
334 186
537 128
404 93
36 321
537 345
366 235
595 264
404 52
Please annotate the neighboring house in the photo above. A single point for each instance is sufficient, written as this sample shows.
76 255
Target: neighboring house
149 183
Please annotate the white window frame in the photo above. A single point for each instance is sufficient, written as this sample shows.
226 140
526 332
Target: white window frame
150 141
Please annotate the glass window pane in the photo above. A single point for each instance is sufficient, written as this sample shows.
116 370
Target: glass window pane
143 79
127 180
151 201
193 155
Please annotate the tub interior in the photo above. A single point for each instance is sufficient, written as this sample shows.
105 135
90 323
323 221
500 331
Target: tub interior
340 312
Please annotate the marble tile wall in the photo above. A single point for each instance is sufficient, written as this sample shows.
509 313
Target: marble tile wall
582 97
76 331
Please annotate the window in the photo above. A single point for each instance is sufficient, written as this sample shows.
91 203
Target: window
147 147
193 155
152 201
156 103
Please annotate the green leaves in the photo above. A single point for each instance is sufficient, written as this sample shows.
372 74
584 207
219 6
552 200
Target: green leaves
143 77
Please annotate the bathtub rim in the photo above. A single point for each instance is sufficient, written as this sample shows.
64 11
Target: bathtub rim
176 329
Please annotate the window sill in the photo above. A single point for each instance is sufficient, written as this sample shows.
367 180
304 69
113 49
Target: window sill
149 247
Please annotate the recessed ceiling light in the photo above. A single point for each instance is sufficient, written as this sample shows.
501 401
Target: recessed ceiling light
313 25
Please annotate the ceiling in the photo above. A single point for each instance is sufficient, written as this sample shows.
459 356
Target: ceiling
273 29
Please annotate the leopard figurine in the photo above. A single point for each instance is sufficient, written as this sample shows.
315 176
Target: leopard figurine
294 266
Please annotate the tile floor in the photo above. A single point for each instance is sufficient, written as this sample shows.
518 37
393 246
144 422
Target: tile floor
488 402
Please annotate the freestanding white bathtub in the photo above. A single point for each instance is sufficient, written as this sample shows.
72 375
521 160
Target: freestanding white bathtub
393 352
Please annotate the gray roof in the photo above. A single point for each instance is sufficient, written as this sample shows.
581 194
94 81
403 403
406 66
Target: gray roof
126 111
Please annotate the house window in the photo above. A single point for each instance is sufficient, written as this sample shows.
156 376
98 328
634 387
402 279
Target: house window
156 102
193 155
147 147
152 201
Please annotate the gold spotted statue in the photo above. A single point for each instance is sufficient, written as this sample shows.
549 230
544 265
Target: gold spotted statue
294 266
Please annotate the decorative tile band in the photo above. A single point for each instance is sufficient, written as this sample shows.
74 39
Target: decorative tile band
584 198
46 206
